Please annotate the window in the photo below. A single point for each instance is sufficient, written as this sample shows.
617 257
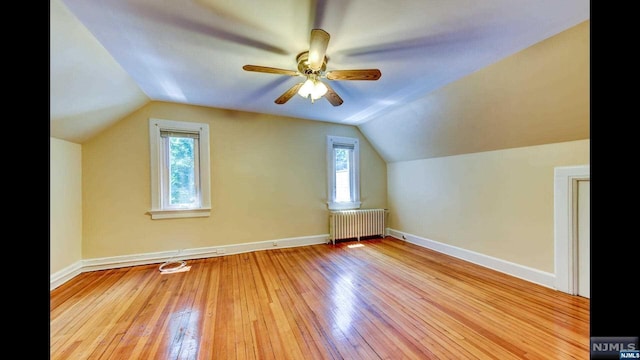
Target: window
343 170
180 185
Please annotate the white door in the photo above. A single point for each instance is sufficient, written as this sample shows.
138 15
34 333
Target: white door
583 237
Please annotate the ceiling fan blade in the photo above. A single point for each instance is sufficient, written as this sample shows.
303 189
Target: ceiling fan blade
364 74
270 70
317 48
333 97
288 94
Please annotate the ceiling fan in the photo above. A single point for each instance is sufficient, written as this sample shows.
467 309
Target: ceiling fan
312 65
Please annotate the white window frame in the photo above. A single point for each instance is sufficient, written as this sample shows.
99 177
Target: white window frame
159 166
354 174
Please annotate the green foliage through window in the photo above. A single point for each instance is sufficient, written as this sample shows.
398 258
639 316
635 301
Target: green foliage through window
342 159
182 186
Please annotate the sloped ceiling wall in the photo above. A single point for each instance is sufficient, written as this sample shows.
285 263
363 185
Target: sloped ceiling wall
537 96
89 91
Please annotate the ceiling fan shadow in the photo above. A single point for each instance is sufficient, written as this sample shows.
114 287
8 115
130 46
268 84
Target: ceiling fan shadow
415 46
264 90
317 10
320 13
175 19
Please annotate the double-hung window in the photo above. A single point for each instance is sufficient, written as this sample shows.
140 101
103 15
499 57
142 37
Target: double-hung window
343 157
180 184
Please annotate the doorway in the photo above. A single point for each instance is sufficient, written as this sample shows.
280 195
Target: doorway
583 238
571 229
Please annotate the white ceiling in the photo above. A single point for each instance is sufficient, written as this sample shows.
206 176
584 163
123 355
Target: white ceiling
110 57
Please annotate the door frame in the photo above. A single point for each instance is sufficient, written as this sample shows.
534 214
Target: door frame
565 198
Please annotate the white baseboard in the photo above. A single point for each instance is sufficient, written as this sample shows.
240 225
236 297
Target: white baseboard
513 269
519 271
60 277
114 262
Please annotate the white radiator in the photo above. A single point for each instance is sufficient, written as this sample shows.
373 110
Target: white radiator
346 224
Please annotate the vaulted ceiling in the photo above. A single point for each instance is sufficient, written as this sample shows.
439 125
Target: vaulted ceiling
109 58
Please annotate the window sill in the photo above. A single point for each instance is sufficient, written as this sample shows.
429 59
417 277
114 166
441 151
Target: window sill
344 205
179 213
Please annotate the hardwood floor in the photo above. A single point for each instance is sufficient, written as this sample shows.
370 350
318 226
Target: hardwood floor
384 299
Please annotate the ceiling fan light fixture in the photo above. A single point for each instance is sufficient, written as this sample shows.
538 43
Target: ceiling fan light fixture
312 88
319 90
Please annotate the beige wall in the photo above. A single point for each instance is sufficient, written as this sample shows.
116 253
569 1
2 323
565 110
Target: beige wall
65 204
498 203
268 181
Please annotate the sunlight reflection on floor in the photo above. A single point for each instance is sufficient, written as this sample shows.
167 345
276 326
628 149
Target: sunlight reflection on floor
344 300
187 331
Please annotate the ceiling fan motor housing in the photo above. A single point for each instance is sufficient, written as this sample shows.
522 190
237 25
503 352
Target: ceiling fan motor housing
303 64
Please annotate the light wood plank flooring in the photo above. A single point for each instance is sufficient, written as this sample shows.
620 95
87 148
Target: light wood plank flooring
384 299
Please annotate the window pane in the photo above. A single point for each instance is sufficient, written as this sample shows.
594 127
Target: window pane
182 184
343 176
